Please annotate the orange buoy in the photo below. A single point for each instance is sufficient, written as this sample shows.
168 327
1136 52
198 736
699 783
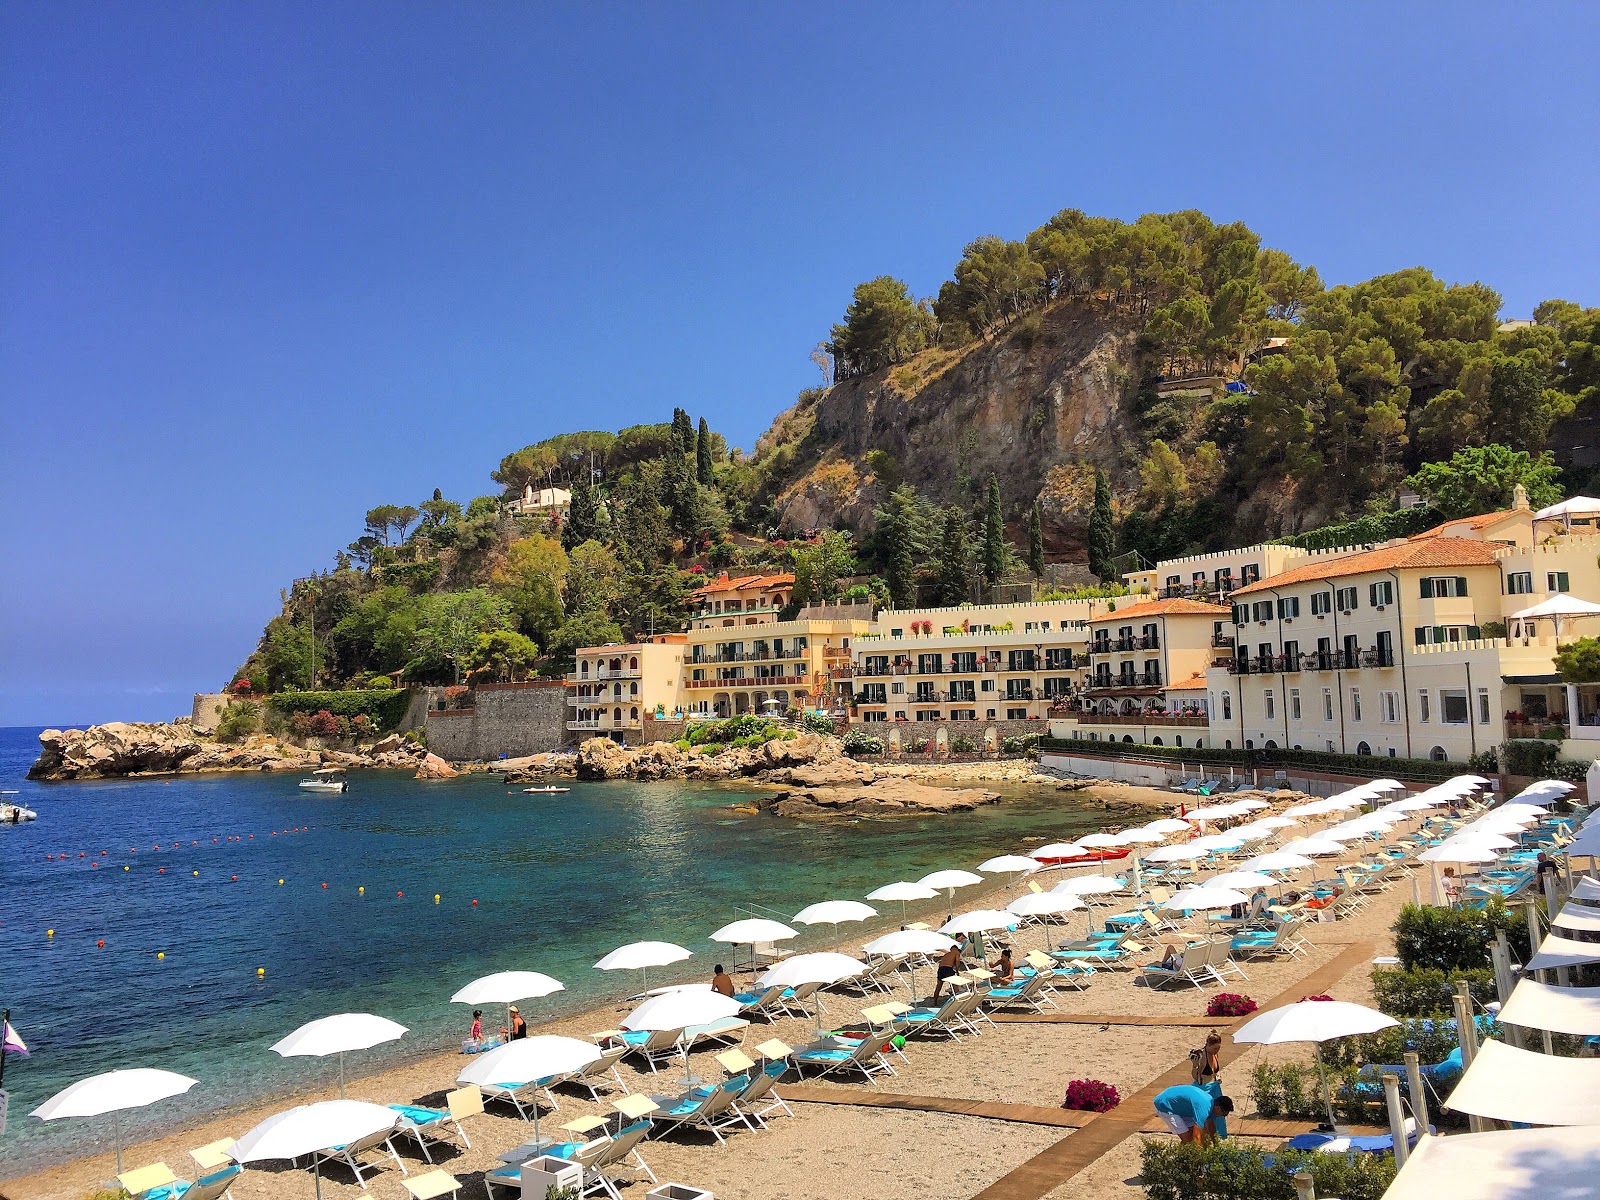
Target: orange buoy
101 943
399 894
474 904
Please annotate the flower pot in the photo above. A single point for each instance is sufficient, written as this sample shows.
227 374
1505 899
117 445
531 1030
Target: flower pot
678 1191
547 1171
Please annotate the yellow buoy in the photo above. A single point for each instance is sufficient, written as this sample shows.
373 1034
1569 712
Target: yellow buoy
49 933
197 872
161 953
124 868
361 891
280 883
436 897
260 971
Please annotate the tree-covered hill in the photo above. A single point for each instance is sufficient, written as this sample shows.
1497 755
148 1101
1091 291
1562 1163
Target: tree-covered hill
1162 386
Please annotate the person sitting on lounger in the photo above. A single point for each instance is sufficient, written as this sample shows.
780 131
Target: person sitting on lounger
949 964
1171 957
721 981
1005 970
519 1027
1192 1113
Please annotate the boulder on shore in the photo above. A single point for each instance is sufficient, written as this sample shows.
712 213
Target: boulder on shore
602 758
882 798
533 768
434 767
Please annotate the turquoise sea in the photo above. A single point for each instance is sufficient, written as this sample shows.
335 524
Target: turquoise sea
190 868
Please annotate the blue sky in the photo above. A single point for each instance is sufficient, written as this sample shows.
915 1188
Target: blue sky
264 266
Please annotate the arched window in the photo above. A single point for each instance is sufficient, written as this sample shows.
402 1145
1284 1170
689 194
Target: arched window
1155 741
1249 743
633 688
1228 745
1127 737
633 714
583 669
633 663
1199 743
1271 745
1177 740
1438 754
1363 748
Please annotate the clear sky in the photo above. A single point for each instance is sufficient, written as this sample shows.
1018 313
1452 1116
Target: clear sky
265 265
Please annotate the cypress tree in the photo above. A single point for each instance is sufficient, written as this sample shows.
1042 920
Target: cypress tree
582 513
702 454
682 432
1102 534
955 559
994 536
1036 540
901 555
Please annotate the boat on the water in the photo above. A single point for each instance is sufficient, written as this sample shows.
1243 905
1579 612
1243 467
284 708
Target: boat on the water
12 813
1088 856
545 791
329 779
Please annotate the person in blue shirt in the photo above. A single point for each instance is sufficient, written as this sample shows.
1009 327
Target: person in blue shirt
1193 1113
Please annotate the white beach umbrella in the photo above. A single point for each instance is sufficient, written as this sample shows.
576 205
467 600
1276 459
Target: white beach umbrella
1096 841
834 912
1276 822
980 920
1413 804
1217 841
1312 846
1315 1021
111 1092
641 956
1087 885
1008 864
311 1127
1385 785
507 987
1213 812
1044 905
751 932
1168 825
1278 860
902 892
1241 879
825 968
1478 837
1204 898
913 942
949 880
529 1060
1183 852
1347 833
336 1035
1251 832
1058 850
679 1010
1142 835
1247 806
1460 852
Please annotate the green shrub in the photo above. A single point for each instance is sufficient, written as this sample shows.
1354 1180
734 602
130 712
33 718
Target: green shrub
1225 1171
1020 745
385 709
858 742
1265 1091
815 722
1377 528
1428 991
1432 1040
733 729
1529 756
962 744
1570 769
238 720
1449 939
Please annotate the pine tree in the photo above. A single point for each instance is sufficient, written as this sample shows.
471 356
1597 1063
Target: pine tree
994 536
1036 540
702 454
582 513
1102 534
682 432
901 554
955 559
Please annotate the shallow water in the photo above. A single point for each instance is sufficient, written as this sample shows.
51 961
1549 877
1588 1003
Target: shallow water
559 880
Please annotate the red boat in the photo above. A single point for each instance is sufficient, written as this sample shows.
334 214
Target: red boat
1109 854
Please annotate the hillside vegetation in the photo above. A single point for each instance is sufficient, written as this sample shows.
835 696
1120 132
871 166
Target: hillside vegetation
1096 389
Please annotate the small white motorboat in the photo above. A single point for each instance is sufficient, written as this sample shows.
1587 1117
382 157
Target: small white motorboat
329 779
547 790
12 813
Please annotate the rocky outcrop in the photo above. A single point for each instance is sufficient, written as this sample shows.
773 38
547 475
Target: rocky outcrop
118 749
434 767
878 798
601 758
535 768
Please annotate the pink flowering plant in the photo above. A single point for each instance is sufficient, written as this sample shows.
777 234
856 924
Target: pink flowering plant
1230 1004
1091 1095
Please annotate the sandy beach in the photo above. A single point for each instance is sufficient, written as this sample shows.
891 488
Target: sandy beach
826 1150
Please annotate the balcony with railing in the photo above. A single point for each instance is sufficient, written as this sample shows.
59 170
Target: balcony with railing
747 681
1373 656
589 723
1221 641
602 676
1160 719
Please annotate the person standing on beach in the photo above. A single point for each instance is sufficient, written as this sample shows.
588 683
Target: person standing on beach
477 1025
1193 1113
949 964
1206 1067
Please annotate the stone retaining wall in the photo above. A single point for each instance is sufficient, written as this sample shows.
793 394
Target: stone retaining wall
506 719
977 731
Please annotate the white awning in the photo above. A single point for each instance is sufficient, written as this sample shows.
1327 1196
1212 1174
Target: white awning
1557 951
1578 506
1586 889
1507 1084
1515 1164
1559 605
1577 916
1535 1005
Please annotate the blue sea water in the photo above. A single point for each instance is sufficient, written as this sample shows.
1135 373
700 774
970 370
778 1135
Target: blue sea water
190 868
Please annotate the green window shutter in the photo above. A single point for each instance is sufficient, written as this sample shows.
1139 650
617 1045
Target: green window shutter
1427 588
1438 633
1461 585
1474 633
1422 635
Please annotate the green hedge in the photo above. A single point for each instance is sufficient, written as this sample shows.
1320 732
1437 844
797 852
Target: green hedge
1314 760
1225 1171
1449 939
1428 991
384 709
1401 523
1529 756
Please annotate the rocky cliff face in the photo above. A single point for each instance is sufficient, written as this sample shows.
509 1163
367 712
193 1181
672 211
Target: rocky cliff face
1038 407
120 749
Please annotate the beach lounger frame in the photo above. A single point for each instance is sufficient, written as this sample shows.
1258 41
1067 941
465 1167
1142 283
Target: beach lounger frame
349 1154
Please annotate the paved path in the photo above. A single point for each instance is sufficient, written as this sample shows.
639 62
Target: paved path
1056 1164
1060 1018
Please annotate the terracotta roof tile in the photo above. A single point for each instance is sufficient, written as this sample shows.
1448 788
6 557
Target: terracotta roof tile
1167 608
1427 554
1194 683
1481 521
723 584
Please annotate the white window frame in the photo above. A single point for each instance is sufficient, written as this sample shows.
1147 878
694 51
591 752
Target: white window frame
1327 704
1269 704
1294 704
1321 603
1519 583
1423 706
1389 707
1448 694
1347 599
1484 710
1557 581
1355 704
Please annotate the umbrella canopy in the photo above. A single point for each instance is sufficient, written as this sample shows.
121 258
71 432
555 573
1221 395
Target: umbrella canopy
753 929
1461 852
1241 879
1558 951
530 1058
1143 835
1274 823
832 912
1044 904
1059 850
1246 806
1312 846
311 1127
952 878
1412 804
507 987
824 968
1545 787
1184 852
1586 889
1312 1021
1535 1005
1511 1165
678 1010
638 955
1009 864
1097 840
980 920
1168 825
1217 841
902 892
1559 605
1088 885
1278 860
1507 1084
910 941
1578 506
336 1034
1204 898
112 1092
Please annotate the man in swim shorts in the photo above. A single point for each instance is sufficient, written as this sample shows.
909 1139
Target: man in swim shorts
1192 1112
